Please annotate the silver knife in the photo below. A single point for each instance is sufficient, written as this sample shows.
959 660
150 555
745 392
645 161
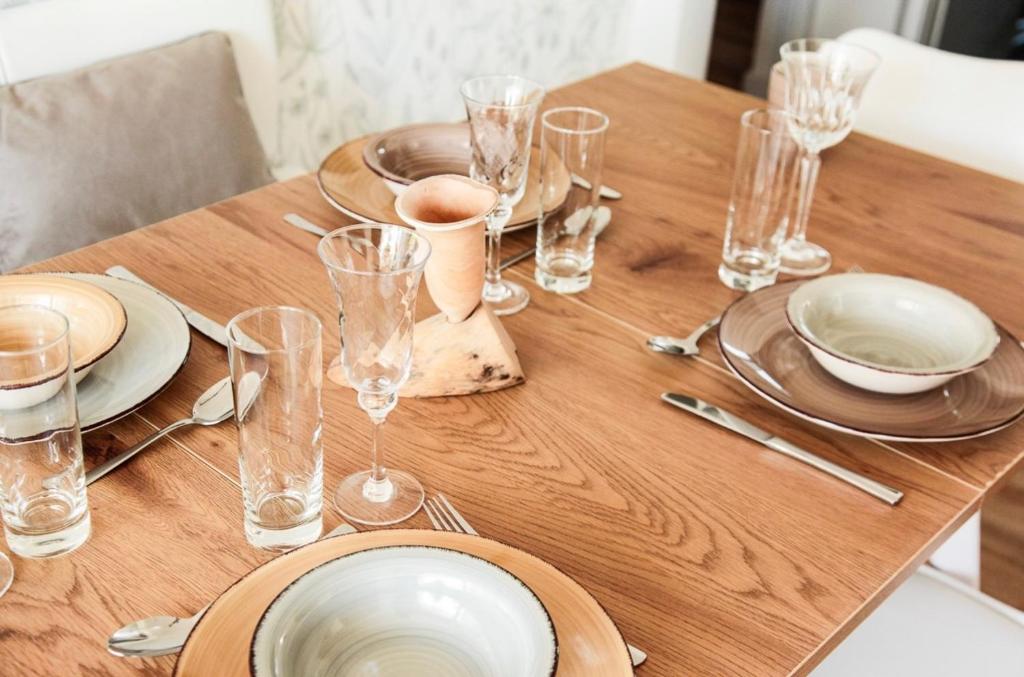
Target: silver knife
736 424
163 635
201 323
305 224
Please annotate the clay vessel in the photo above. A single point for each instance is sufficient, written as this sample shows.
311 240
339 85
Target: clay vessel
449 211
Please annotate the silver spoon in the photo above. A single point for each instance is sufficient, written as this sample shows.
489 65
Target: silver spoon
212 407
682 346
163 635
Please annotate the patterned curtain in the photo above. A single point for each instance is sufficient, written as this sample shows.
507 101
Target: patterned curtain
350 67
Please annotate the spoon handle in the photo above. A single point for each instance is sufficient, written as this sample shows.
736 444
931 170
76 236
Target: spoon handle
111 463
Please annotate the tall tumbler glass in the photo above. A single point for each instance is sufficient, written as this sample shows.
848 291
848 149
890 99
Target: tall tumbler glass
375 270
759 207
276 366
572 157
501 110
42 480
824 80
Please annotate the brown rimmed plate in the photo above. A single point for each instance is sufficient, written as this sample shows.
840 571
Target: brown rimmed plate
761 349
352 188
588 641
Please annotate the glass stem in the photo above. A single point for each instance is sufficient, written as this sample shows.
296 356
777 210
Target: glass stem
496 221
378 487
810 161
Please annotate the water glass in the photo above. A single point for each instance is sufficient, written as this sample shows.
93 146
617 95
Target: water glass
572 154
42 479
375 270
501 110
276 366
759 207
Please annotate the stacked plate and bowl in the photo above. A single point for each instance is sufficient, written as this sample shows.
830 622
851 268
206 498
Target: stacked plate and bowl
878 356
405 602
128 343
363 177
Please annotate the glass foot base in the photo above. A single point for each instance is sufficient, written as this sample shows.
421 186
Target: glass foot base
506 298
744 281
280 540
360 500
6 573
52 543
560 284
804 258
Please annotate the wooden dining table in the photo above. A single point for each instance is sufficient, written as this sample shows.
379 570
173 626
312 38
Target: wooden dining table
712 553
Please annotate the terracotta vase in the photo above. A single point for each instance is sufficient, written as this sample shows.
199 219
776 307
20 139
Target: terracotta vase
449 211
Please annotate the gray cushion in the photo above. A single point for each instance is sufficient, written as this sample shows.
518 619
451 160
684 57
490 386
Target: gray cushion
96 152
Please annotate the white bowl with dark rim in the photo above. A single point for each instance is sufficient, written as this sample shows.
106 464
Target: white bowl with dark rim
405 610
889 334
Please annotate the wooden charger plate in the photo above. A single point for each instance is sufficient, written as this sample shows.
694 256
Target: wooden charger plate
352 188
589 643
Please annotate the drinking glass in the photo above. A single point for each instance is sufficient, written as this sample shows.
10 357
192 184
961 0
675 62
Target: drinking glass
571 159
824 83
501 110
760 203
42 480
375 270
276 363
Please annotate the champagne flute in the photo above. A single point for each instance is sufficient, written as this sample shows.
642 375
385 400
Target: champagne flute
375 270
501 110
824 83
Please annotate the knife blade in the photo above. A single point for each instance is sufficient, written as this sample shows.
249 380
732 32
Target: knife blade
198 321
305 224
736 424
602 217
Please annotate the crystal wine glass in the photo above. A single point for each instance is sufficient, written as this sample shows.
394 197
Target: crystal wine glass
375 270
824 83
501 110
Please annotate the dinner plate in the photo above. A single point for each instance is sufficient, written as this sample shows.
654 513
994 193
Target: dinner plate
155 347
759 346
352 188
589 644
405 610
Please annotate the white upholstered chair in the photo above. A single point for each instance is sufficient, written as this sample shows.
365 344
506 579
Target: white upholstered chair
961 108
933 626
43 38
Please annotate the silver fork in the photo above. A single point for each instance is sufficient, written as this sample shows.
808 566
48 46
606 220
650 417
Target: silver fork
682 346
445 517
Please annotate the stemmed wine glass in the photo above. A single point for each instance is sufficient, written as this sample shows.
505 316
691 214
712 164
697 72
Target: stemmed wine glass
501 111
375 270
824 83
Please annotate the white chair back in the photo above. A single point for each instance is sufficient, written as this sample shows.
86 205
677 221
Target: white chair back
933 625
52 36
964 109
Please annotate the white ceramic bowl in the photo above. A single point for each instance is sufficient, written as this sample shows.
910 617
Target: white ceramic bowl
405 610
890 334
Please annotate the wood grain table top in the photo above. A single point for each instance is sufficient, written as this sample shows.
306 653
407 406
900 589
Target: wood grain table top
712 553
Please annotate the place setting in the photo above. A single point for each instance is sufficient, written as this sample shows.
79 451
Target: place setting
867 354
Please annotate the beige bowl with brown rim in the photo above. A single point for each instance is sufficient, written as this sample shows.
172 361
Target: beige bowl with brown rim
97 321
407 154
